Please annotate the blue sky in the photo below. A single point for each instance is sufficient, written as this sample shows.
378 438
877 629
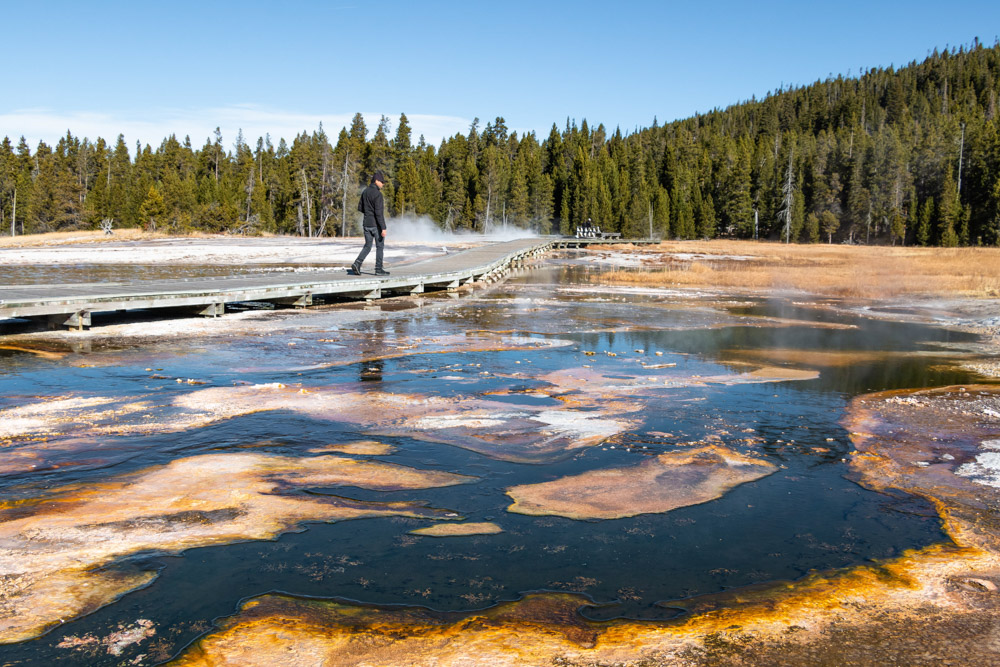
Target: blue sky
98 68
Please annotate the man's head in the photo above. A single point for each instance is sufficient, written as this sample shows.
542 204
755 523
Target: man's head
379 179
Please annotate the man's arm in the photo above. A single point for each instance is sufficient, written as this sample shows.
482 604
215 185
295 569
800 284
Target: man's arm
379 215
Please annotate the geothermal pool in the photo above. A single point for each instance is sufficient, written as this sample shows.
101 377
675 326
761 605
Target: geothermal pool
639 447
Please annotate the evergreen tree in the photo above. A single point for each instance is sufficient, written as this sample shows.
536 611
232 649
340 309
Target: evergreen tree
878 154
8 186
812 228
407 194
661 214
738 208
401 144
924 222
153 208
829 223
518 195
706 217
378 154
948 213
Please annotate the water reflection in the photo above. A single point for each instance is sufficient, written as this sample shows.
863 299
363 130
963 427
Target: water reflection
371 371
804 517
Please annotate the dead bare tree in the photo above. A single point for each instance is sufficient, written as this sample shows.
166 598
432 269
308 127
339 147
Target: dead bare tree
492 177
346 180
788 191
249 189
326 215
343 196
327 188
961 150
83 171
868 224
448 224
308 200
218 152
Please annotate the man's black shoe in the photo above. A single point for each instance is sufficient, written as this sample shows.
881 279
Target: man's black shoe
354 270
380 272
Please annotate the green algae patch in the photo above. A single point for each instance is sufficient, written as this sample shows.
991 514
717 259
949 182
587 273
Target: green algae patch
661 484
458 529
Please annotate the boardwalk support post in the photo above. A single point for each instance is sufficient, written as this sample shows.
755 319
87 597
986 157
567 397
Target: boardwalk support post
210 310
302 301
77 320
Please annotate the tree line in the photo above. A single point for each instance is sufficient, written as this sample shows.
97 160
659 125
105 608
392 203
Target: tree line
908 156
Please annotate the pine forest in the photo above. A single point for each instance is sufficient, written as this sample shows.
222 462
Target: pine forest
893 156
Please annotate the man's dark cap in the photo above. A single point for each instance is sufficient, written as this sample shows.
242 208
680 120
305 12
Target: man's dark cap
380 177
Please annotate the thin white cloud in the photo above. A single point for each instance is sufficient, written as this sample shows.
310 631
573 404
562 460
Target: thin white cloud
153 127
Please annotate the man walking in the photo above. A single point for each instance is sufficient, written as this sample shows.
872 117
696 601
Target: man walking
374 225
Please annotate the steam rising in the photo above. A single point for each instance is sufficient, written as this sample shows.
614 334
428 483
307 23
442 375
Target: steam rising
423 229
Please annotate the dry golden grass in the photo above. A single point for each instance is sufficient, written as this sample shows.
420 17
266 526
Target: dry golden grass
836 270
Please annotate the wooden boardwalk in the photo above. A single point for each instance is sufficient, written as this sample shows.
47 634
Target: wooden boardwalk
71 305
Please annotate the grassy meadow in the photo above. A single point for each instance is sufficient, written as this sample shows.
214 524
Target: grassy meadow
834 270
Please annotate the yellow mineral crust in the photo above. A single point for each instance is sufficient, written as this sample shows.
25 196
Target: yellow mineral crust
765 321
44 354
592 409
928 442
52 549
779 621
360 348
288 631
928 606
660 484
587 386
458 529
44 416
512 433
774 374
496 429
827 358
364 448
823 358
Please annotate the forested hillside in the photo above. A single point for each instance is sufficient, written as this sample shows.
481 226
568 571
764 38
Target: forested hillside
892 156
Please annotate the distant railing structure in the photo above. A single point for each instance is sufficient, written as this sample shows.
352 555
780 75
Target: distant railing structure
594 232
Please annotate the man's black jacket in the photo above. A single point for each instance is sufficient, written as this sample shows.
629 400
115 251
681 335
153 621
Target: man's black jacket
371 206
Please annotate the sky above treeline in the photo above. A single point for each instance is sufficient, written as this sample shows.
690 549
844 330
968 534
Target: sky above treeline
148 70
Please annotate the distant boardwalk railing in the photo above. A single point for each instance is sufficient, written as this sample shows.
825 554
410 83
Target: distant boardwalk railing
72 305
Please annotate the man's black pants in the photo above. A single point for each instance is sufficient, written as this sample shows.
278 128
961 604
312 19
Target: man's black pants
372 234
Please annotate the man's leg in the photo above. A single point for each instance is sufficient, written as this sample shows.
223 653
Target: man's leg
379 247
369 237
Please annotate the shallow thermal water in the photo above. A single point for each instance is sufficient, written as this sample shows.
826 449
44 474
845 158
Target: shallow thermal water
806 516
